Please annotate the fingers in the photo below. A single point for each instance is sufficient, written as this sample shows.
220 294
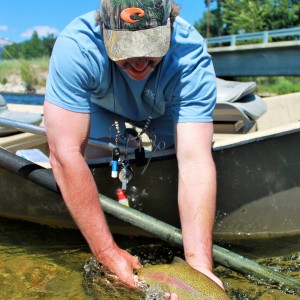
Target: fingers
135 263
132 263
125 266
172 296
128 278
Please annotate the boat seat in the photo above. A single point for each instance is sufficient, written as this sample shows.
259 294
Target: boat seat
231 91
237 107
24 117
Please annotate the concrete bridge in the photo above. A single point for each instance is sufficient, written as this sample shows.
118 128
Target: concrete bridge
267 58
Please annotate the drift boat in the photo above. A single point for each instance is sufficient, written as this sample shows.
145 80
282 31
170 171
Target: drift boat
256 154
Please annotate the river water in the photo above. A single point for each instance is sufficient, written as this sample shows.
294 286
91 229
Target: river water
38 262
31 99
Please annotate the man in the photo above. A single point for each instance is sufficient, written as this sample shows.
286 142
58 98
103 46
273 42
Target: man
139 62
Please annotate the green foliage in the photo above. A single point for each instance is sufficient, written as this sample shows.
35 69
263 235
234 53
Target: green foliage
9 67
48 44
282 14
3 80
277 85
33 48
201 25
211 23
32 72
242 16
12 51
284 85
28 75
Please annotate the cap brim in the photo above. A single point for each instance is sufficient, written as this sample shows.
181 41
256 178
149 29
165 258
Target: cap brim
123 44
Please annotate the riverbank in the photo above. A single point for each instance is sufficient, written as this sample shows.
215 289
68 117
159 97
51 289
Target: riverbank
23 76
11 80
15 85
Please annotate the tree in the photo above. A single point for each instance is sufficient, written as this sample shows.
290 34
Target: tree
215 21
244 16
33 48
12 51
258 15
201 25
207 2
48 43
282 14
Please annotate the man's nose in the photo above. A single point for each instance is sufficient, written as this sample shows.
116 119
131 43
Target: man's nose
139 63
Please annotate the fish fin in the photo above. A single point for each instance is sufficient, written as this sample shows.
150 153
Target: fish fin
178 260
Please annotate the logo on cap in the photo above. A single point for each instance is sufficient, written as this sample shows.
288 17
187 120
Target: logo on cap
127 13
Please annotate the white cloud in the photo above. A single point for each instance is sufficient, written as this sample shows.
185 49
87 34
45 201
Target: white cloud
3 27
4 42
41 31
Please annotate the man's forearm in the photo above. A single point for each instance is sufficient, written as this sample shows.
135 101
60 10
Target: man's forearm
81 197
197 201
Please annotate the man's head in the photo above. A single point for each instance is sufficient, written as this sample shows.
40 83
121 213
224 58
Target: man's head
136 28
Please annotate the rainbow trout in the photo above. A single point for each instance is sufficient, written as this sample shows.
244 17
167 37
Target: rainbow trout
178 277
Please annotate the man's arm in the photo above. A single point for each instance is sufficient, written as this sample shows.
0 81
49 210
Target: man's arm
197 193
67 134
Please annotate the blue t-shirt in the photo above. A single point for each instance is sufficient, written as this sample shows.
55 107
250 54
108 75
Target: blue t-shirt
80 72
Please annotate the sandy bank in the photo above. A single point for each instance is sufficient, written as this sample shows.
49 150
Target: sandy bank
16 86
19 89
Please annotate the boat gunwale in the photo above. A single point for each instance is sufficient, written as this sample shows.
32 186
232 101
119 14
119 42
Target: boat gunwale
257 136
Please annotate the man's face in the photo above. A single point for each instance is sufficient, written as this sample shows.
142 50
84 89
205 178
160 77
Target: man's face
138 68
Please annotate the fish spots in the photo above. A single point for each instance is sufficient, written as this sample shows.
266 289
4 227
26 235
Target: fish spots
170 280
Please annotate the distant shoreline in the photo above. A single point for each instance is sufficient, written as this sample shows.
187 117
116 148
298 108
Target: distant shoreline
21 93
9 88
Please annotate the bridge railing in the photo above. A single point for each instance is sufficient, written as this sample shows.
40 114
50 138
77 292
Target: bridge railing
263 35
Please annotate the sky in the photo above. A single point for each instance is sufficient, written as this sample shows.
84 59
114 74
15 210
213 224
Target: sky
18 19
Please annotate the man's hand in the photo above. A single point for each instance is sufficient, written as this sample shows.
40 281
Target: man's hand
121 263
172 296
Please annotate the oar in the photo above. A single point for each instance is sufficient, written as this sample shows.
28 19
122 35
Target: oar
158 228
173 235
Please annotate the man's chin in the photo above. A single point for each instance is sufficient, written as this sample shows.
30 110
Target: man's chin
138 75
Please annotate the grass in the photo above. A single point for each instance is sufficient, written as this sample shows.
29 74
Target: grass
33 73
7 69
275 85
280 85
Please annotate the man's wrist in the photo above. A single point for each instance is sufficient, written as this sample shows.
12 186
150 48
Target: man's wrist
105 248
200 261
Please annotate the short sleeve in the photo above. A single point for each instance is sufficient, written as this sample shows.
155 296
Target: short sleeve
194 95
70 76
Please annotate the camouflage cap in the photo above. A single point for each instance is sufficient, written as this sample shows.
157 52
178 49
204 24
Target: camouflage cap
136 28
